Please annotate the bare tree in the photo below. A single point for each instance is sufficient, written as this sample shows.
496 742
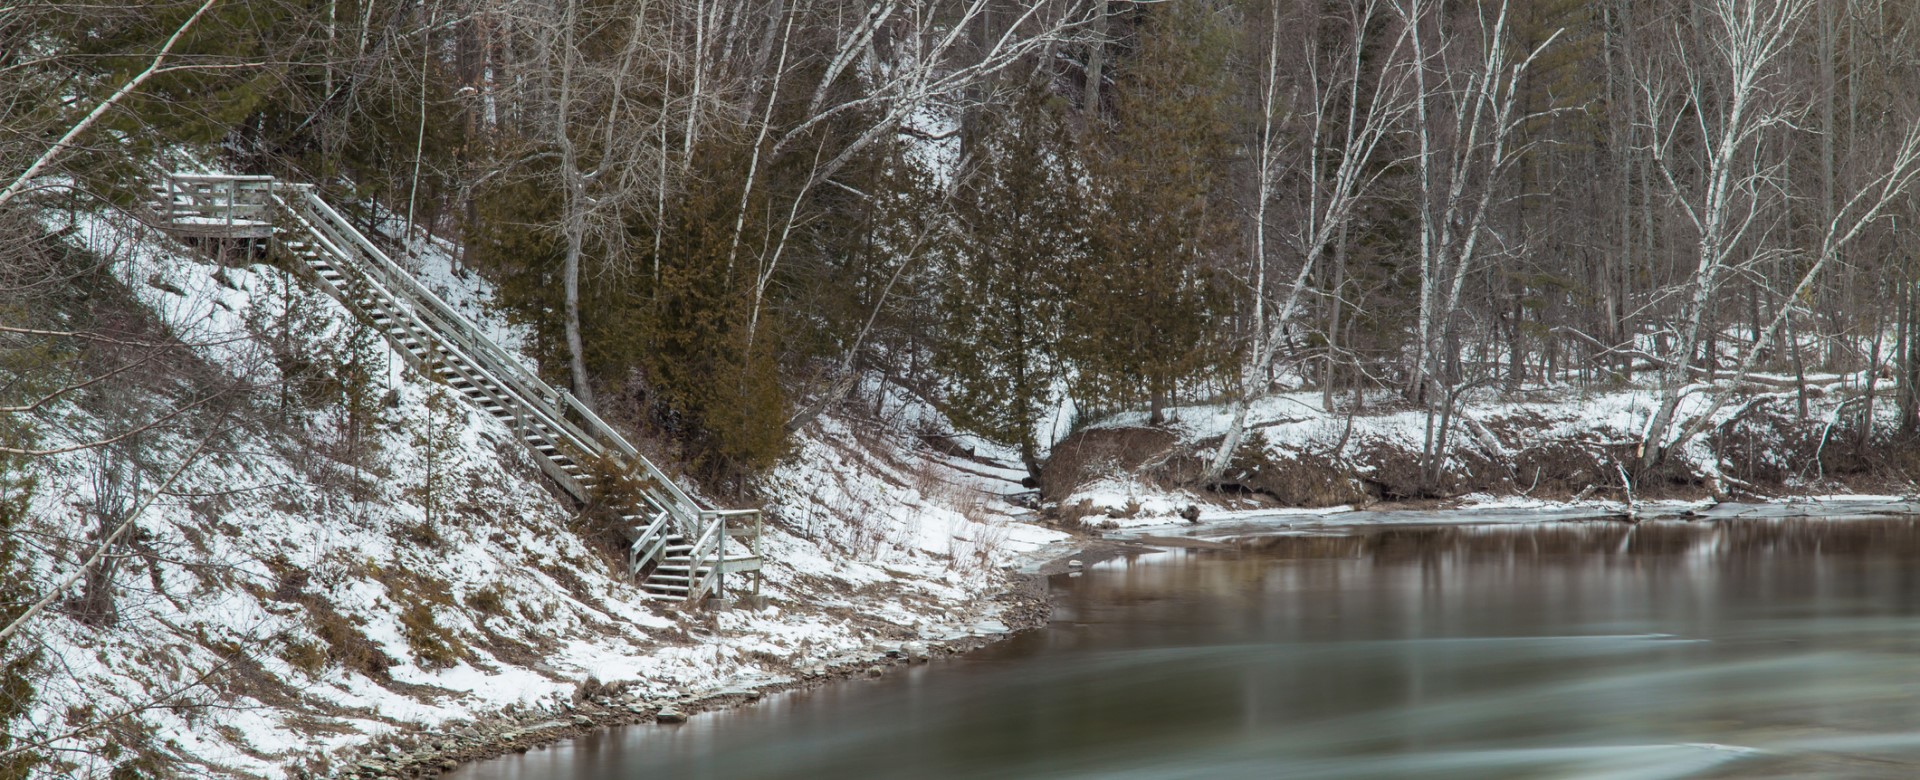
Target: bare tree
1466 127
1725 95
1317 151
25 178
910 57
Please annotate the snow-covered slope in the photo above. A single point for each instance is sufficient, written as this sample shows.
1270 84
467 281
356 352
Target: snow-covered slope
1545 446
283 603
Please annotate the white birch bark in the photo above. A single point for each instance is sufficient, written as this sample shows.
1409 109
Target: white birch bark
1324 204
26 177
1732 116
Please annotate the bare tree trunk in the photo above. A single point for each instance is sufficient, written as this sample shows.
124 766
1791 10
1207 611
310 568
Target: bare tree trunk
1865 436
1096 64
574 216
1907 362
1516 357
576 347
1370 113
420 135
1799 366
1619 267
1336 298
1750 40
1465 145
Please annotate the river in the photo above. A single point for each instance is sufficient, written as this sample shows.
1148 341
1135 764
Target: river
1595 650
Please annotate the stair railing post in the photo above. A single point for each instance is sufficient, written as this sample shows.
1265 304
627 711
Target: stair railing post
720 561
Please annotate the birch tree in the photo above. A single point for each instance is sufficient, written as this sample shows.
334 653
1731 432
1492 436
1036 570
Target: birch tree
1724 88
1735 112
1316 156
1465 127
39 165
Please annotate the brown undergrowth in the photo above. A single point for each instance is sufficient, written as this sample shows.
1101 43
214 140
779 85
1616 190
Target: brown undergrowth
1764 450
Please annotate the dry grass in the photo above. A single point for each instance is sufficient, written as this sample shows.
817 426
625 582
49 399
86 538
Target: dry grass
1098 452
490 601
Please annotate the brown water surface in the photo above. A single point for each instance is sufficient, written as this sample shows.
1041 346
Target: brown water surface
1588 650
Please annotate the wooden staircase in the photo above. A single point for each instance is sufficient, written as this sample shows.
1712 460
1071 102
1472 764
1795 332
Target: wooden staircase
678 549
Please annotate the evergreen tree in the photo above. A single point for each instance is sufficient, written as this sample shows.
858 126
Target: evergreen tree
1148 297
18 659
682 340
1022 227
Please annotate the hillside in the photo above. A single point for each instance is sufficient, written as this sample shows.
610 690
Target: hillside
280 604
940 286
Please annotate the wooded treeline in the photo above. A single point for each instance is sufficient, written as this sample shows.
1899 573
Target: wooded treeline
717 214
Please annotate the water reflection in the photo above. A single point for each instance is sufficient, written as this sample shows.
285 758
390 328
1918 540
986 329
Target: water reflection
1781 648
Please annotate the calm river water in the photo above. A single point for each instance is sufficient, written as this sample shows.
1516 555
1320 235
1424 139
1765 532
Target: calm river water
1749 649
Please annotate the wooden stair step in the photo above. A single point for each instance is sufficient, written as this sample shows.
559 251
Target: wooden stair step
393 311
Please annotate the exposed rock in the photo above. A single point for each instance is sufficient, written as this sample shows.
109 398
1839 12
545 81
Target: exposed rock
670 715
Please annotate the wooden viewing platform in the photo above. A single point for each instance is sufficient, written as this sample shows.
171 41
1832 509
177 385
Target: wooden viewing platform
215 206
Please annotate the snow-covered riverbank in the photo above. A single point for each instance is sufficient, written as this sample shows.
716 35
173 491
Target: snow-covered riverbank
295 596
305 602
1231 525
1544 449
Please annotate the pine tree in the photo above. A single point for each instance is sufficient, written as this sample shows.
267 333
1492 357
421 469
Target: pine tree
1022 227
436 439
18 659
1147 300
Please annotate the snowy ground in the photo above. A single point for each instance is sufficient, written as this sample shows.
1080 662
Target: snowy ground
284 603
283 606
1228 525
1510 438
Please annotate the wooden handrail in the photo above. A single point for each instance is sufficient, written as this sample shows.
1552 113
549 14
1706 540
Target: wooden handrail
330 238
709 552
540 411
220 177
463 335
534 392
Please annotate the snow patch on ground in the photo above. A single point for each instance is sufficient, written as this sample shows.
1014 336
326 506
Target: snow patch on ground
1495 427
283 606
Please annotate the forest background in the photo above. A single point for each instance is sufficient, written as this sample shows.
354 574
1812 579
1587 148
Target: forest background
720 220
714 214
